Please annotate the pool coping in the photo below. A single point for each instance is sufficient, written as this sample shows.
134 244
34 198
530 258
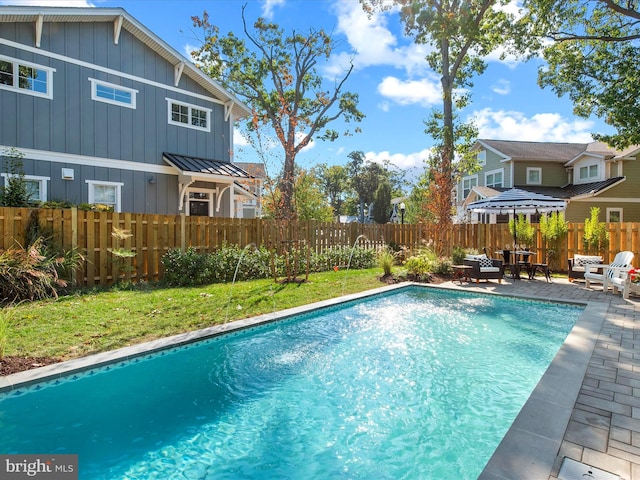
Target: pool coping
528 449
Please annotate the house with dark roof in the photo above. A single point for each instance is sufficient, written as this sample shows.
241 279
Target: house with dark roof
103 111
583 174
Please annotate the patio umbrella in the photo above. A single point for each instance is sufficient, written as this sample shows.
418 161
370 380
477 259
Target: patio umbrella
517 201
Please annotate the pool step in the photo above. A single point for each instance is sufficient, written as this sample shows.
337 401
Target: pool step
572 470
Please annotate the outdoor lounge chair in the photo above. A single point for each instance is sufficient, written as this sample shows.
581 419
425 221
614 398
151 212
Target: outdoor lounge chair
484 268
577 265
620 264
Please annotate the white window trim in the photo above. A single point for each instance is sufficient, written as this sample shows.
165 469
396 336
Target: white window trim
612 210
36 178
481 157
211 191
534 169
92 183
588 179
190 106
95 97
467 179
15 88
493 172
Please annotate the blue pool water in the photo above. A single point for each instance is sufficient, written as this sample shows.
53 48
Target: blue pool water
414 384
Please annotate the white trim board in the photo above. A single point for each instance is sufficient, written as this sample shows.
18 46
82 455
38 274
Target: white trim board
60 157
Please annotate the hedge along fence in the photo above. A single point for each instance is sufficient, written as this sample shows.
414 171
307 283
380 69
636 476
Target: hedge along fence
91 233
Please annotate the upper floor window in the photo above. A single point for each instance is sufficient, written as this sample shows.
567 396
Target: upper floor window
26 77
187 115
482 158
36 186
534 176
467 184
106 193
493 179
588 172
114 94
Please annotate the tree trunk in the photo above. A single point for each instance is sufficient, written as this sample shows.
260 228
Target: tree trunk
287 211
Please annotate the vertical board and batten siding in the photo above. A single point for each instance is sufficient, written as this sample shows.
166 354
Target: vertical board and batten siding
72 123
91 233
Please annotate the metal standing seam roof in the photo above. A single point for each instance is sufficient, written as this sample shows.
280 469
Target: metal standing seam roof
186 164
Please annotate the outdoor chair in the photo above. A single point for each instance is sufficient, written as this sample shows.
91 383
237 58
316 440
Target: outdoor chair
484 268
621 263
542 267
577 265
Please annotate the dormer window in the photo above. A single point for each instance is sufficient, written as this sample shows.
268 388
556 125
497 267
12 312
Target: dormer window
589 172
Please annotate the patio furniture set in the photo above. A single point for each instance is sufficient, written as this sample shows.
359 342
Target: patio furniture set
615 276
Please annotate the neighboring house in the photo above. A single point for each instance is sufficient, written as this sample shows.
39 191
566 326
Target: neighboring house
252 204
106 112
584 174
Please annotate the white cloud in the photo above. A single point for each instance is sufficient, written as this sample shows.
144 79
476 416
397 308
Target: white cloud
502 87
372 41
400 160
48 3
269 6
541 127
424 92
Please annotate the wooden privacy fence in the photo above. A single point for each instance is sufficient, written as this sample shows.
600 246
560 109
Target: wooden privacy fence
91 233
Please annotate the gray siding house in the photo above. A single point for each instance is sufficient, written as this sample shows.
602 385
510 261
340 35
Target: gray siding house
106 112
585 175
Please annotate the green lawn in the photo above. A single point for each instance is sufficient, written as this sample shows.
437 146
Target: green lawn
82 324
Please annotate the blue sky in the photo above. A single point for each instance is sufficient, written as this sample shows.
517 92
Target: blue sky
395 86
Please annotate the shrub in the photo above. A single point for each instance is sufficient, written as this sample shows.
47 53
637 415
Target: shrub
422 264
386 260
34 273
193 268
458 254
596 236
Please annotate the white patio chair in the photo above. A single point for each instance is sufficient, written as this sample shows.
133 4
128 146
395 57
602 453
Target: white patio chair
621 263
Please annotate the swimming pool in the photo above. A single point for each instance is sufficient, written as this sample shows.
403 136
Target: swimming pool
414 384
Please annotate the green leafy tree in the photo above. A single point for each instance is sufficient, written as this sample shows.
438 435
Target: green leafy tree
523 229
15 193
593 59
596 236
461 34
276 75
553 229
334 183
382 203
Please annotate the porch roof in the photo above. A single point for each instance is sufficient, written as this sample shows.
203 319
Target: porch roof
205 168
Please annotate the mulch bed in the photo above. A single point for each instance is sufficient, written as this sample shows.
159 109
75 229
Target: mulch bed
9 365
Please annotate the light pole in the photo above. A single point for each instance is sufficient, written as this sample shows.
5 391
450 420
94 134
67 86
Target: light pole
402 208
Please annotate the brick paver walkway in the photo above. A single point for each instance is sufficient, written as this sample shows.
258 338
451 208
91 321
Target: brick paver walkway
604 430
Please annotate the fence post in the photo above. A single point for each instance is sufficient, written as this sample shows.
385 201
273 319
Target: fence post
74 239
183 241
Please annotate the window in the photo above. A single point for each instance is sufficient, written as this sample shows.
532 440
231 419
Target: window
589 172
26 77
105 193
493 179
614 215
467 184
199 202
482 158
191 116
534 176
36 187
114 94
